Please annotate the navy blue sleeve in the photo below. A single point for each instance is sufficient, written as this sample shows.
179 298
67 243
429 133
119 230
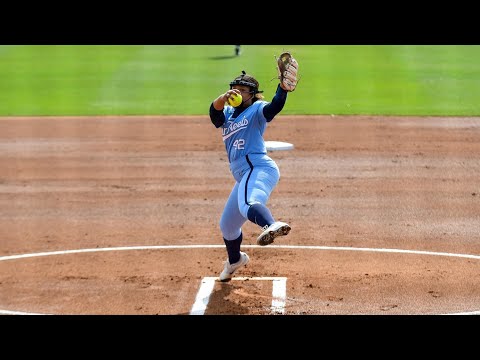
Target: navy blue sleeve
274 107
216 116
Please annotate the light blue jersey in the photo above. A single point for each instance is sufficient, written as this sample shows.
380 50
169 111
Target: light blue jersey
255 173
244 135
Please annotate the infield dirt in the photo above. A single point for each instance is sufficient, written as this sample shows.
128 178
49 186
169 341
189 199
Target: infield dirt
351 181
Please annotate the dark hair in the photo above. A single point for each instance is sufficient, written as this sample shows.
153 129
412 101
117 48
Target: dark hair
246 80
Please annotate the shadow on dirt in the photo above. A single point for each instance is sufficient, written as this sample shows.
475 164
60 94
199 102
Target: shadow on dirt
221 304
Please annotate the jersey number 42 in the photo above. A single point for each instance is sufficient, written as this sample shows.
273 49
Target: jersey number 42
239 144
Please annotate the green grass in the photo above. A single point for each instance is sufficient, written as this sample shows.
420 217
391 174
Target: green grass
183 80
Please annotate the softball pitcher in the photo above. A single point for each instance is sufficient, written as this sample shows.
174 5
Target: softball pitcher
255 173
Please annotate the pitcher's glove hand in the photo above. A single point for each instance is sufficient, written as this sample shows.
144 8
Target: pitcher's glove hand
287 68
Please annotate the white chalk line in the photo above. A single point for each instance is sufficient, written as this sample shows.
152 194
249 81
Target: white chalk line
279 293
270 247
203 296
166 247
8 312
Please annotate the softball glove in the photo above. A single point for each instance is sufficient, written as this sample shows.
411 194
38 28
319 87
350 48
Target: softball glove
287 68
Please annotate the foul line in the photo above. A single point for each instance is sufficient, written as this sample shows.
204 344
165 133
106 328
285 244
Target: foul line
166 247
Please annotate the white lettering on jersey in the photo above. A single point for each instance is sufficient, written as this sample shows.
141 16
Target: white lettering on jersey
234 127
239 144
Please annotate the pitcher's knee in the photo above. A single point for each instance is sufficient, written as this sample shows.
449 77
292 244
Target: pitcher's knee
228 231
243 208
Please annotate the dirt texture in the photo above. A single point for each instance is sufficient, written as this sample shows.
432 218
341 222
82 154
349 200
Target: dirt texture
352 188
